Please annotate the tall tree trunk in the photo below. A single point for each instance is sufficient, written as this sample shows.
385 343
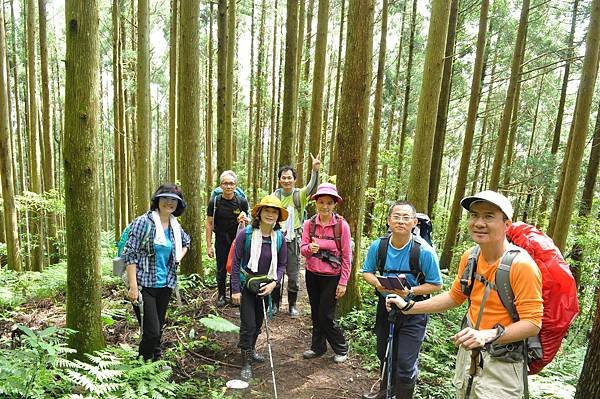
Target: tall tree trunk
84 293
249 159
173 86
274 104
354 115
20 177
580 127
463 171
288 123
377 105
338 69
209 109
260 89
48 139
394 105
565 82
439 137
188 105
509 103
142 153
117 126
304 103
588 385
418 181
406 102
10 226
228 144
221 86
35 175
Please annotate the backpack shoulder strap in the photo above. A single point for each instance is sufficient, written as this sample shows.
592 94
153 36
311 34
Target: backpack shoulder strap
468 277
277 193
279 235
414 260
296 199
312 227
337 231
382 253
505 291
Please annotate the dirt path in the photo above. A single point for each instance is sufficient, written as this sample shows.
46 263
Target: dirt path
296 377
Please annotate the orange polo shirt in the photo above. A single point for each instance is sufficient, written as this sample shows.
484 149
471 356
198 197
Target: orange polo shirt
525 280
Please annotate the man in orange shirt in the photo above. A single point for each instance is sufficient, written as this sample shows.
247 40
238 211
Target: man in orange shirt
497 370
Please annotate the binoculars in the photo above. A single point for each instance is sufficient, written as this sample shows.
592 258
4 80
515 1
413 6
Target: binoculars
329 257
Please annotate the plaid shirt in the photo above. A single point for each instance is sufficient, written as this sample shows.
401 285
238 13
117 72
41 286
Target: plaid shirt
139 250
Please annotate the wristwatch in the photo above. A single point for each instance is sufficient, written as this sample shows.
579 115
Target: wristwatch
500 330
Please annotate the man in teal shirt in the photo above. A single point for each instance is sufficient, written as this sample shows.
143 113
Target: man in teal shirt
295 201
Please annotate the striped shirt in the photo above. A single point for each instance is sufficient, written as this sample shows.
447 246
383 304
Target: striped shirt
139 250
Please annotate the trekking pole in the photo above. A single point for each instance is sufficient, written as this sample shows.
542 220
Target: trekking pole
390 351
140 305
269 346
472 370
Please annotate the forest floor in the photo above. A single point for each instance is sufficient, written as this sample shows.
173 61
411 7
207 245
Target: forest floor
195 352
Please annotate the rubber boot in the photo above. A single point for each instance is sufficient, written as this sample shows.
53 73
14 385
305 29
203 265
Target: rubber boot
256 357
221 300
246 373
275 297
405 391
292 298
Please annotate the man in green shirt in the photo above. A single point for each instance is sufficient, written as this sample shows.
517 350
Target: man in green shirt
295 201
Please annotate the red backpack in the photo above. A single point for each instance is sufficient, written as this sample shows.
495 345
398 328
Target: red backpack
559 291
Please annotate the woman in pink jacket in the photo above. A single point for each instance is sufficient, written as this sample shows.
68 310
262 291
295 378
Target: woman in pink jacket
327 247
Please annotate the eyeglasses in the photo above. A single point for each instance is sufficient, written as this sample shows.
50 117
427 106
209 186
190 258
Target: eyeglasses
402 218
228 183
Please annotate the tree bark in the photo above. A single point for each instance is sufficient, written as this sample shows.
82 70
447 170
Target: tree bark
209 110
84 293
288 122
510 97
249 159
274 104
375 134
173 50
302 159
459 190
229 87
439 137
117 122
588 385
188 105
565 82
580 127
405 104
260 78
10 227
354 115
338 68
418 181
221 86
35 173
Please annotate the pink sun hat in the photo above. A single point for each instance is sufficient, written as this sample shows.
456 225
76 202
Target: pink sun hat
327 189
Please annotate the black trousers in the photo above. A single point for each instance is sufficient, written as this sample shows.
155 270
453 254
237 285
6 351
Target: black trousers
251 317
155 305
223 242
409 332
321 294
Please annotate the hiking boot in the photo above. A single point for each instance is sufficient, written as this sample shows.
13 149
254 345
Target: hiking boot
221 301
375 395
257 357
294 312
311 354
246 373
405 391
340 358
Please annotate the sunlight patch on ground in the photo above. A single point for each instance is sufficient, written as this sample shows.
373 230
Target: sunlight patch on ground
550 388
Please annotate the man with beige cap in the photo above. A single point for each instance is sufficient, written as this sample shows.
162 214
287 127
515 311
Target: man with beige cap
489 362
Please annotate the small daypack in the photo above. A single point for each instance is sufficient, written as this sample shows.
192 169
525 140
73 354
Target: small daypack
217 194
119 266
424 228
559 292
337 230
